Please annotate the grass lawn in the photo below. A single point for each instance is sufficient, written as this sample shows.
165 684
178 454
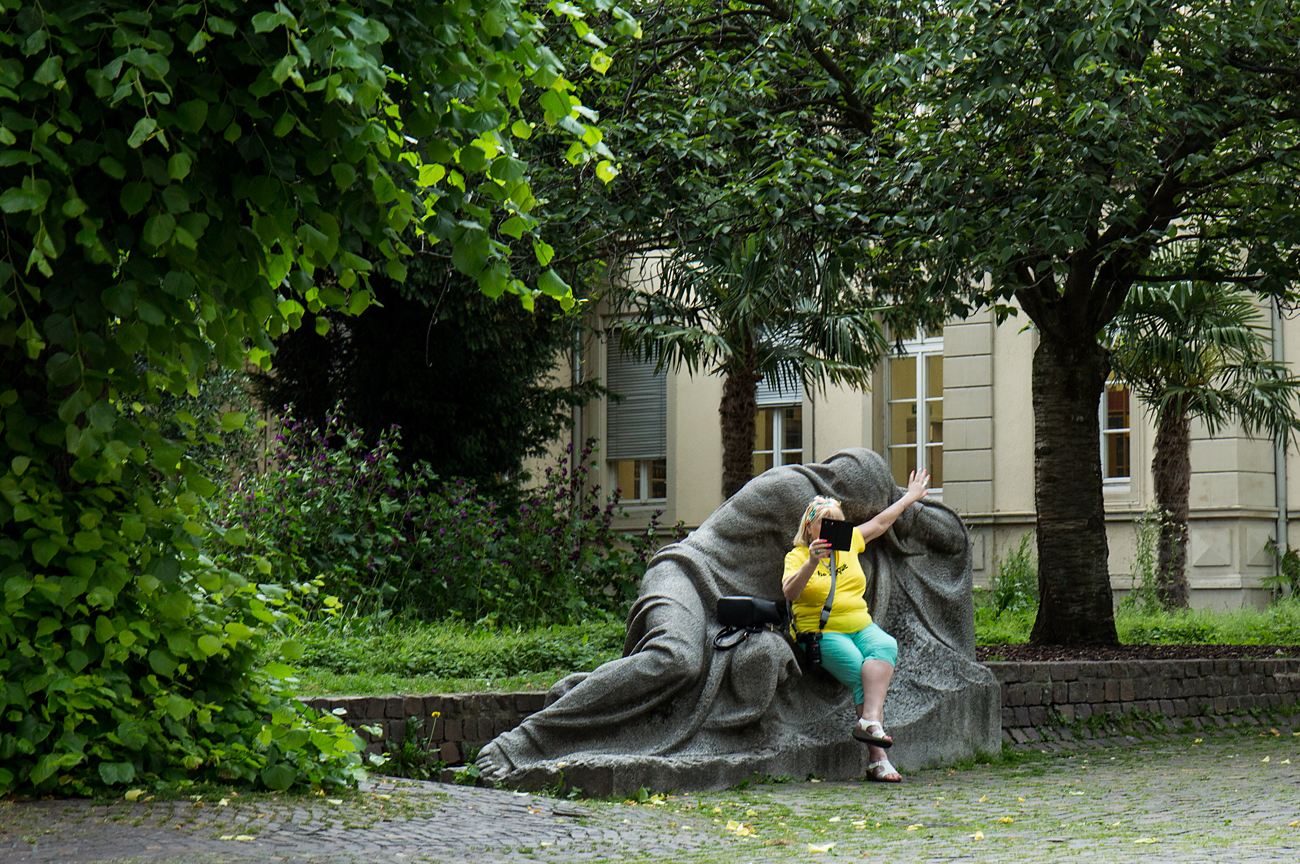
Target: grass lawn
1279 624
322 682
356 657
364 657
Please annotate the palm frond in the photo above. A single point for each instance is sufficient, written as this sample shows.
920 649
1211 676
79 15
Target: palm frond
782 307
1204 350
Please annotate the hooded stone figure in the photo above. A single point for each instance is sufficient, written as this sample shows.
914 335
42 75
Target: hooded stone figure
676 713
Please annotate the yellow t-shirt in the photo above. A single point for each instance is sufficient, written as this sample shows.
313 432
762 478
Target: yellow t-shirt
849 610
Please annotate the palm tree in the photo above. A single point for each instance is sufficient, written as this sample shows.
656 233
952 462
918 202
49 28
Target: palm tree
761 309
1197 350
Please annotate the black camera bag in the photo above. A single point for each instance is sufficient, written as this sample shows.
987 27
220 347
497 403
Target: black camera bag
745 615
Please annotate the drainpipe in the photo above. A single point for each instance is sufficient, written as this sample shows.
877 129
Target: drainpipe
1279 451
575 380
812 425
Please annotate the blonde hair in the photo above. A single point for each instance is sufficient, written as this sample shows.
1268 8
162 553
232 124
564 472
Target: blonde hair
819 507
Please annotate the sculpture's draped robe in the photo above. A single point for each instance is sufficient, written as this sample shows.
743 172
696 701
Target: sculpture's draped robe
674 712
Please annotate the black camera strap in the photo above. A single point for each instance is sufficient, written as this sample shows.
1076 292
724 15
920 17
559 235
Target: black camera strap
830 596
740 633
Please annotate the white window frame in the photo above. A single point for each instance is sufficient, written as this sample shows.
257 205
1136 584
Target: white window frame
1102 421
778 453
644 471
922 349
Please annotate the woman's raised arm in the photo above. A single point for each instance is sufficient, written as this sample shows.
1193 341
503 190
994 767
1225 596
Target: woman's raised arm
917 485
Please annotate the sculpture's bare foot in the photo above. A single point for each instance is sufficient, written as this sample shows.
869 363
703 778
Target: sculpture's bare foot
493 764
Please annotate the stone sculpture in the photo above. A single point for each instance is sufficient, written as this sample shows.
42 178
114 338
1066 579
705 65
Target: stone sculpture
675 713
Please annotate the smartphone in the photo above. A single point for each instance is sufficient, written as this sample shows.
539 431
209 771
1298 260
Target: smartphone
839 532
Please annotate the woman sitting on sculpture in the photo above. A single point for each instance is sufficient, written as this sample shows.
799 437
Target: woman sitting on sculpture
855 650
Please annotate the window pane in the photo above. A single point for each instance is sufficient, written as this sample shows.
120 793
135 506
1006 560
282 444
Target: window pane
627 477
659 478
762 461
934 422
902 413
1117 455
1115 435
1117 407
902 463
902 378
763 429
792 429
935 458
934 371
903 423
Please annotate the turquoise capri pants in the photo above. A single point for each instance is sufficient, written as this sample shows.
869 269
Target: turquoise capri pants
844 653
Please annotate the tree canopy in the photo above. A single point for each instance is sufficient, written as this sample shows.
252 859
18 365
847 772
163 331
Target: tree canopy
470 381
1054 146
1065 144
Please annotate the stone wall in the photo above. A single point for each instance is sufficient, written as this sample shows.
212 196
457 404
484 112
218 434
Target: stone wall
455 724
1044 694
1034 695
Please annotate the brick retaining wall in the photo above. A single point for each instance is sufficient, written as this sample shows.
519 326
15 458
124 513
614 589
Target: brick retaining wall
464 721
1033 695
1044 694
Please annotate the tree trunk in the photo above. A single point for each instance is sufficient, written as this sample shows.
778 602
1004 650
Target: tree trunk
737 410
1172 470
1074 596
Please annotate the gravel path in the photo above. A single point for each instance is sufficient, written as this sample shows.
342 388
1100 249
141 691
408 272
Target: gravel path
1228 796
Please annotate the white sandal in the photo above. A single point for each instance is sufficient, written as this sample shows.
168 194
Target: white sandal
883 772
871 732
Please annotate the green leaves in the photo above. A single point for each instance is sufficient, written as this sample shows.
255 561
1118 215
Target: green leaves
209 644
159 229
279 776
162 662
178 167
116 773
44 549
192 114
135 196
31 195
142 132
278 670
160 217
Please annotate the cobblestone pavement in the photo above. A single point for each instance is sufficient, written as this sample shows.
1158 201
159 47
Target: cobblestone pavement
1207 796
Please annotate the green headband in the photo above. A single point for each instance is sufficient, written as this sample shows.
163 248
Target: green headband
817 506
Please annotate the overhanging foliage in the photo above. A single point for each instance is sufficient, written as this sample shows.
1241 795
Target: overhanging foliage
179 184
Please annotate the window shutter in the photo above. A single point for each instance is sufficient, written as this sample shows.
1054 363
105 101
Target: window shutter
774 391
638 425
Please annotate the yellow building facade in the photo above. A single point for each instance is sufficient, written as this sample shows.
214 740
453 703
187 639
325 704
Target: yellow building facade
957 403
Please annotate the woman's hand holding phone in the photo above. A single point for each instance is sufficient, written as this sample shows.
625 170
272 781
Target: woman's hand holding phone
820 548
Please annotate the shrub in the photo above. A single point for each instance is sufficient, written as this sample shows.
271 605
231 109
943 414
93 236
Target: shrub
569 560
387 538
329 507
1142 595
1015 586
130 657
1286 581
